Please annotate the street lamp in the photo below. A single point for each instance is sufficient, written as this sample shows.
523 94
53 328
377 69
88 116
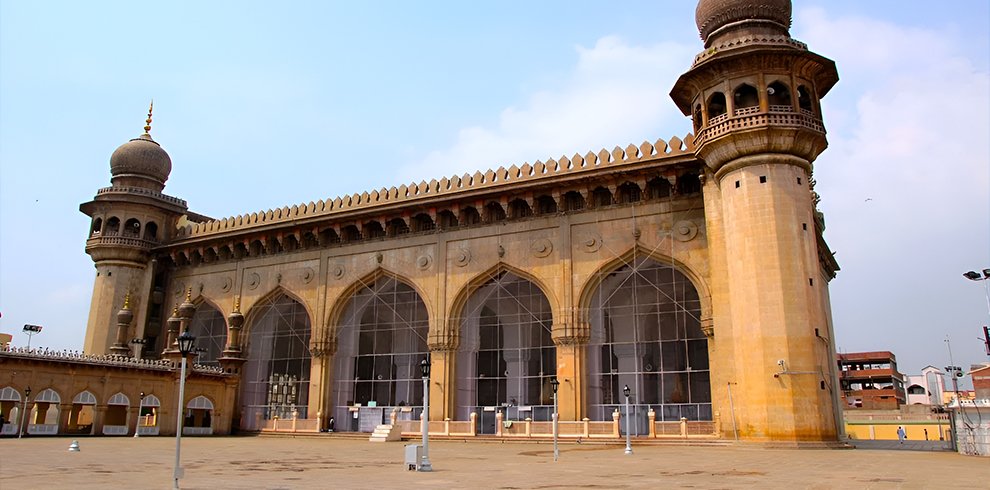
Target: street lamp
424 464
24 414
985 278
625 391
137 426
554 383
31 331
185 341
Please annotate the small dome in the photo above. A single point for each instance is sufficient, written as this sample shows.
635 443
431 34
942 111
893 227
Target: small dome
712 15
141 158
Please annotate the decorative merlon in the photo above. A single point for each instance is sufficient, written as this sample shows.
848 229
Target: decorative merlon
452 186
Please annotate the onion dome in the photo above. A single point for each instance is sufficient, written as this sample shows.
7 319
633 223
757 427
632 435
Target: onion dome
765 16
236 319
141 162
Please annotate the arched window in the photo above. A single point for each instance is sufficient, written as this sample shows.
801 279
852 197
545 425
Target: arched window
506 356
421 222
657 187
745 96
148 418
697 119
916 390
601 197
97 227
573 201
628 193
688 184
494 212
716 105
350 233
151 231
329 236
10 410
210 329
115 417
446 219
198 417
381 340
132 228
113 226
373 229
275 379
44 415
396 227
470 216
646 333
804 99
519 208
82 414
545 205
779 95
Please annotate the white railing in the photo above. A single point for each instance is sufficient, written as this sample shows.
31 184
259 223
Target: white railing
148 430
43 429
197 431
9 428
115 430
104 359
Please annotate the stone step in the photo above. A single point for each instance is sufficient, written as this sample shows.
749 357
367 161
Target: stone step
386 433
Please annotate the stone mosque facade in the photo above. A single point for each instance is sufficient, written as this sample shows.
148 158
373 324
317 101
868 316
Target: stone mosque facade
691 270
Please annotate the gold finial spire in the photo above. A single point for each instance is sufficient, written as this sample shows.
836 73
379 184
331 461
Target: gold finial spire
237 304
175 310
147 122
127 301
188 295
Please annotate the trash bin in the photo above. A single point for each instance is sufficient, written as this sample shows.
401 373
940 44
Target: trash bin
414 454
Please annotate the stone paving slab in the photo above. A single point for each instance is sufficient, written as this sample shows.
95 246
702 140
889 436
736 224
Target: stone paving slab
314 462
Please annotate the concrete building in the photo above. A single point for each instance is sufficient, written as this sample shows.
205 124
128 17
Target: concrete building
870 380
692 270
928 388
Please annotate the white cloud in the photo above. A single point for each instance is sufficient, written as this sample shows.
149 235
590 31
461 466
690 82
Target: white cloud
615 95
908 126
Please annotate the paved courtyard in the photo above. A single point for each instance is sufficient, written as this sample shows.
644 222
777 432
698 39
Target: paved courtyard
328 462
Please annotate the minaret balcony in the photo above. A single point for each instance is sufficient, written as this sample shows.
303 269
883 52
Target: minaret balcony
753 118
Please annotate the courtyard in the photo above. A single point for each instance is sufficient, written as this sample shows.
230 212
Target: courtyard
336 462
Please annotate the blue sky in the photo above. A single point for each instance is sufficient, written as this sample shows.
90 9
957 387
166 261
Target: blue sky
263 105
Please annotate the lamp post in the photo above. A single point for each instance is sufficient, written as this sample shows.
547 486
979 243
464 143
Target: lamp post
137 426
554 383
24 414
625 391
185 341
424 463
985 278
31 331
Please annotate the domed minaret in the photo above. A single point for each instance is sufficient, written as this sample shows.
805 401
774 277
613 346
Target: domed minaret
753 95
130 218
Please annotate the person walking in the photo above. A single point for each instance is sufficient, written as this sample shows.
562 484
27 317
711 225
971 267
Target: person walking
901 435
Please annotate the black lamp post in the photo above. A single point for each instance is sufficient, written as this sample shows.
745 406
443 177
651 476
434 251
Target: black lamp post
137 426
625 391
985 278
424 464
554 383
186 342
21 423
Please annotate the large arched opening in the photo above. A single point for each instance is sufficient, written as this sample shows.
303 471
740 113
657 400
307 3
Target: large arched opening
381 340
506 357
210 329
646 334
275 379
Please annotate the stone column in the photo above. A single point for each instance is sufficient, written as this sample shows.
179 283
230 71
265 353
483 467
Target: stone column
571 341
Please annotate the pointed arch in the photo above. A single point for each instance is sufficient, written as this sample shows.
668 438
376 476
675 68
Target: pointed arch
275 378
277 291
209 326
457 305
595 279
342 302
380 327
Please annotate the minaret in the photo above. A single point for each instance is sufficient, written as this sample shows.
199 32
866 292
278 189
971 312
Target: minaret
130 218
753 94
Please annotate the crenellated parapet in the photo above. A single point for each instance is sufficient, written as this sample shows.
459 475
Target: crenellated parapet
491 180
44 354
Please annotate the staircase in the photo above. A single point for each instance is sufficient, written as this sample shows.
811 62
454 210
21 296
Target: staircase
386 433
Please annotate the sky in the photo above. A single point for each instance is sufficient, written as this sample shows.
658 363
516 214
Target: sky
267 104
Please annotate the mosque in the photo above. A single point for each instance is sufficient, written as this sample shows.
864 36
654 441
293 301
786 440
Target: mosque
689 276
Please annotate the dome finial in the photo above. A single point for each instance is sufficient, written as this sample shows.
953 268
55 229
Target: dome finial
147 122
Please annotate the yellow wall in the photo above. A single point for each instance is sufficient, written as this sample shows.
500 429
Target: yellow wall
888 431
